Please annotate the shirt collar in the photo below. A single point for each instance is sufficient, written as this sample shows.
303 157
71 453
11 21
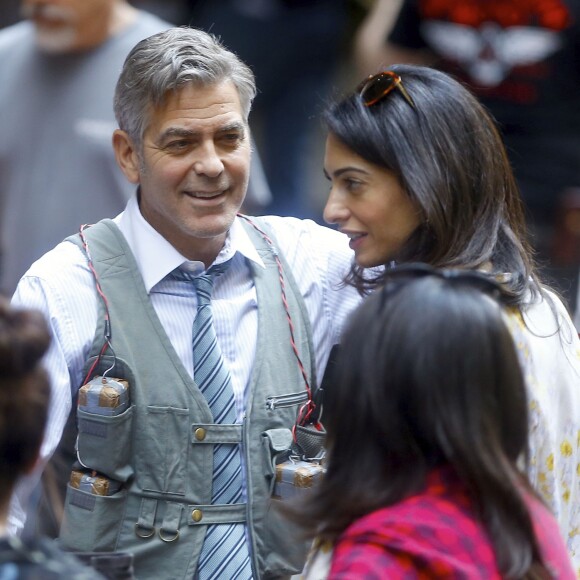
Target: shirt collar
156 257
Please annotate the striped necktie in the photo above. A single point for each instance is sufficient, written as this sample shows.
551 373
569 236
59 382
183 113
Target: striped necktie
225 551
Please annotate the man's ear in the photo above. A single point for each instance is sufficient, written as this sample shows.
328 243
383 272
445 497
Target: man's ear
127 156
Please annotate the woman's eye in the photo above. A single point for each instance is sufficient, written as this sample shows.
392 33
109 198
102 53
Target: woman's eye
352 184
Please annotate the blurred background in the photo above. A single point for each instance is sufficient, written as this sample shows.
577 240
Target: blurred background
305 52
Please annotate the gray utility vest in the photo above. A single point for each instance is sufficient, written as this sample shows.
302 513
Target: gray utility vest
160 513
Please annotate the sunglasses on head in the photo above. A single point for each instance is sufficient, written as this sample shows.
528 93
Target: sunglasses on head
376 87
397 277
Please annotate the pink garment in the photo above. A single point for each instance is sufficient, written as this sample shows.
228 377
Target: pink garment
435 535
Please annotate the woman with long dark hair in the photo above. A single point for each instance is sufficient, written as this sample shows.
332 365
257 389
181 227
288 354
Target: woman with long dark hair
427 421
419 173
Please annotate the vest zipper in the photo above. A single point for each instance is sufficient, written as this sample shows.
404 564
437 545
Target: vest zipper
289 400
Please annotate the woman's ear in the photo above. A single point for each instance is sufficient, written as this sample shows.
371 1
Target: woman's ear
127 156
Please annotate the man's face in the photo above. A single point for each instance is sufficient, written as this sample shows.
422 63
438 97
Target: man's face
68 25
192 168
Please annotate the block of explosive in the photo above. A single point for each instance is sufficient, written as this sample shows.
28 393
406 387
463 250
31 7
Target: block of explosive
104 396
92 482
295 477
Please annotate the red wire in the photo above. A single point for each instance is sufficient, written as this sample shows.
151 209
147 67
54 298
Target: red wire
309 406
103 298
90 372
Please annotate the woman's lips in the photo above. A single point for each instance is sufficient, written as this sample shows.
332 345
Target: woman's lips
355 239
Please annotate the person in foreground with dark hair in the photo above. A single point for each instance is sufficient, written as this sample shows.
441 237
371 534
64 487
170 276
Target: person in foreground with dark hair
419 173
24 403
425 482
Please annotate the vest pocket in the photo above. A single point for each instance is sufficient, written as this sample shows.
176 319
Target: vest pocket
283 548
276 444
162 457
104 443
91 522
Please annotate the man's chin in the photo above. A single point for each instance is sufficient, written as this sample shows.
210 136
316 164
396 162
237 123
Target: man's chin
55 41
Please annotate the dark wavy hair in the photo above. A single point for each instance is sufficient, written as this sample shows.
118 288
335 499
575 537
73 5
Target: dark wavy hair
24 392
450 159
428 375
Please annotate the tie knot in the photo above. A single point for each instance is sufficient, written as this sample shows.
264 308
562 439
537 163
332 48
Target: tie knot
204 282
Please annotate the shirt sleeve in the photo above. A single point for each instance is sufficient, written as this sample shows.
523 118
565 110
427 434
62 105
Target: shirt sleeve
72 328
320 259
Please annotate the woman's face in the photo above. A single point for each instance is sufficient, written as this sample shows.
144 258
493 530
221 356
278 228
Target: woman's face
368 204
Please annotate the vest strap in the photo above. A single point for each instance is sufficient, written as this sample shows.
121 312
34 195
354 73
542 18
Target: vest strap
201 515
144 528
169 531
214 433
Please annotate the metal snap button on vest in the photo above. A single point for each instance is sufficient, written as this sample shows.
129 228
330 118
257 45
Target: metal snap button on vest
200 433
196 515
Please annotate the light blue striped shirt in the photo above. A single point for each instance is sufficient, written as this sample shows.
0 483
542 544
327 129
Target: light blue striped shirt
61 286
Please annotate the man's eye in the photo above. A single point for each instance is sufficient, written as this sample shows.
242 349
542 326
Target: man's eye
231 138
178 145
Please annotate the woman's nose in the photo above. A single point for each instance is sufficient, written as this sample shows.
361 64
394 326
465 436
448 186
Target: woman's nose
335 211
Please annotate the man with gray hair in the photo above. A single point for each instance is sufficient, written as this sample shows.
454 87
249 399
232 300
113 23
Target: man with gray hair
210 328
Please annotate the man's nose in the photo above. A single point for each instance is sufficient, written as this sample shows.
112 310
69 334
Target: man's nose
208 161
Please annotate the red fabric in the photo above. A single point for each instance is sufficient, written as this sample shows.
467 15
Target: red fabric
435 535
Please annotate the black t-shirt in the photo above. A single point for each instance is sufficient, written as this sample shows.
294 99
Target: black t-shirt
522 59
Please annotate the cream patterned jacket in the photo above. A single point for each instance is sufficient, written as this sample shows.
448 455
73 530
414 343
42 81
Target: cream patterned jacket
549 350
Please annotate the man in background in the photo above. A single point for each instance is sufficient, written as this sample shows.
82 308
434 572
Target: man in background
57 76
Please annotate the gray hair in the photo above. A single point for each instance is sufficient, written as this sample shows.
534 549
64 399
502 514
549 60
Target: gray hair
168 61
